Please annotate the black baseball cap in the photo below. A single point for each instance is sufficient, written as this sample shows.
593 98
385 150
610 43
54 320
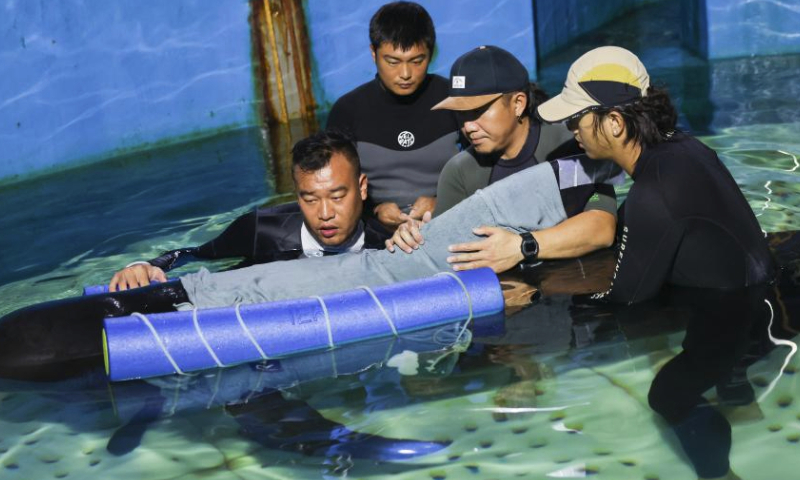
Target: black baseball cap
480 76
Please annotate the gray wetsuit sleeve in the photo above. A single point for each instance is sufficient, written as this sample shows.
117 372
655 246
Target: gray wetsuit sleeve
450 189
529 200
603 201
461 176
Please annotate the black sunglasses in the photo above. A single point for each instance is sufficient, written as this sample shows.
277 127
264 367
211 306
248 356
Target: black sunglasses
572 121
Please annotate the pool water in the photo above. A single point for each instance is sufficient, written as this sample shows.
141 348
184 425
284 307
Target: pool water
553 391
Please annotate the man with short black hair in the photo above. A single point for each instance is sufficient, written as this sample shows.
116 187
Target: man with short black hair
325 220
403 145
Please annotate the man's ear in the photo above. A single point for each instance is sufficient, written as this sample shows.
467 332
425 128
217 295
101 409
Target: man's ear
362 186
374 53
520 103
616 122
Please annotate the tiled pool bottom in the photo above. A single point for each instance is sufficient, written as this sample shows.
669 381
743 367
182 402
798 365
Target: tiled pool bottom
575 415
566 400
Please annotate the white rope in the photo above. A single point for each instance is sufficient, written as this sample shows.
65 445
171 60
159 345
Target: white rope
389 351
327 320
333 363
203 339
248 333
383 310
216 389
175 399
257 388
777 341
469 302
158 341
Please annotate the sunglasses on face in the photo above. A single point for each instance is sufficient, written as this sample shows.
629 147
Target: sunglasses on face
572 121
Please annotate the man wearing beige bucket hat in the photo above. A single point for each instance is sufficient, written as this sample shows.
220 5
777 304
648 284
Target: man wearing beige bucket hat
606 76
683 199
685 223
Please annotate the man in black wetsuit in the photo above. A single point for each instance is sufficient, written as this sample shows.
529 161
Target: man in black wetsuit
685 225
685 221
402 143
325 220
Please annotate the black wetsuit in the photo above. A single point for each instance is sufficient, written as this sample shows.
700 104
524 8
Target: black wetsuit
263 235
685 222
402 143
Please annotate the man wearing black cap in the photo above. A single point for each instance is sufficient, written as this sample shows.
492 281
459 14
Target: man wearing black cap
403 145
494 103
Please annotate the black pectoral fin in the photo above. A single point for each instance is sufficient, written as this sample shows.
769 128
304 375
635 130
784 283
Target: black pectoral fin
129 436
293 425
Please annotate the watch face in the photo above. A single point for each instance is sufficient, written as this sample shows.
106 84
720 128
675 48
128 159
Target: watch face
529 247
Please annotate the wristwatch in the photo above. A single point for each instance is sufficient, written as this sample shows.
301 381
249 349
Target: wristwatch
529 247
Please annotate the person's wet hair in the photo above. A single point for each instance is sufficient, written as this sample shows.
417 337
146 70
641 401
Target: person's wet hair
403 25
535 96
648 121
315 151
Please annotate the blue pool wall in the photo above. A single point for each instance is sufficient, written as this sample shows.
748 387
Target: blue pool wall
743 28
86 80
558 22
339 33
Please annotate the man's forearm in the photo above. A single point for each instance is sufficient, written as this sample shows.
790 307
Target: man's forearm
577 236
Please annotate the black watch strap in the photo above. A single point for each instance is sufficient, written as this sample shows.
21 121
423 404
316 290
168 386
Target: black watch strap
529 247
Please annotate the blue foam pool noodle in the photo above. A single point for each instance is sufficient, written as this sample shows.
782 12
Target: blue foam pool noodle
139 346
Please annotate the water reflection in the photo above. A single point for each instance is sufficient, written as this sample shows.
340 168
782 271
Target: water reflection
697 393
266 399
561 388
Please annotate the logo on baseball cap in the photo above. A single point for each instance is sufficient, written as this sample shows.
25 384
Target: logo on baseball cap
480 76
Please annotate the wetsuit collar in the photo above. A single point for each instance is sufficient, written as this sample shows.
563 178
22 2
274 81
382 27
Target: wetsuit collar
644 157
403 99
312 248
528 148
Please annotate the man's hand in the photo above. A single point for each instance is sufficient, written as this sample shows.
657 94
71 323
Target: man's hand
422 205
139 275
500 250
407 236
390 215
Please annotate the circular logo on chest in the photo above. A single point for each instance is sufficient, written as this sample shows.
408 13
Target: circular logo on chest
405 139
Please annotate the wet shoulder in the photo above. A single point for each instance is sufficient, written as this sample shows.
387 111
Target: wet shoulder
680 173
670 161
464 159
352 104
438 88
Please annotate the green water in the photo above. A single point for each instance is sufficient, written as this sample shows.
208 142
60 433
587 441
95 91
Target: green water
557 396
563 394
